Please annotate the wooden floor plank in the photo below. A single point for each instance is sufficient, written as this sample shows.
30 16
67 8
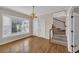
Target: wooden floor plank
32 45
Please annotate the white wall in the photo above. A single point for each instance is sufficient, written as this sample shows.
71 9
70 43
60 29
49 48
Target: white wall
35 27
42 26
4 11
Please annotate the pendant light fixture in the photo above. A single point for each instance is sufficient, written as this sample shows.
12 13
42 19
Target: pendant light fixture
33 16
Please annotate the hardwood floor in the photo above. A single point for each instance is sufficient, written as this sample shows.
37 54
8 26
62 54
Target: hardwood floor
32 45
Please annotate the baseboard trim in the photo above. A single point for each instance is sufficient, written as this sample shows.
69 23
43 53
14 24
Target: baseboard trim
39 37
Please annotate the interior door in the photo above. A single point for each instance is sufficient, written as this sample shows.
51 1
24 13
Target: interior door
75 32
69 28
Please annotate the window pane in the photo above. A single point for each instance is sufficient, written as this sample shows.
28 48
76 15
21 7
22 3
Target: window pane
16 26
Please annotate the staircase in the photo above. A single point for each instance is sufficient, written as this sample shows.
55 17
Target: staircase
58 36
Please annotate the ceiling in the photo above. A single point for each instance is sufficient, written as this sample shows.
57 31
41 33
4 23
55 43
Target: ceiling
39 10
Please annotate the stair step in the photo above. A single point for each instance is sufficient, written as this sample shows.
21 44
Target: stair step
59 33
59 42
60 38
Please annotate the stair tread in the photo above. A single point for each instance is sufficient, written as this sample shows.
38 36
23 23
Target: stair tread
59 36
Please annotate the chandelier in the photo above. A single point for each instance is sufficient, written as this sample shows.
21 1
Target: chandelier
33 15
